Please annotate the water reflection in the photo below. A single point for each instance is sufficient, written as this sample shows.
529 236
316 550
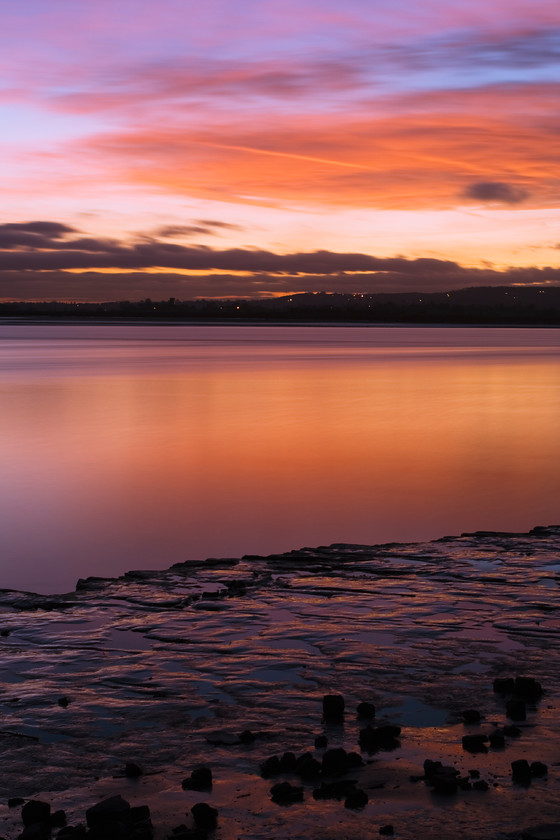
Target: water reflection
139 447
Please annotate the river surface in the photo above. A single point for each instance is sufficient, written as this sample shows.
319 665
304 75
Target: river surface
139 446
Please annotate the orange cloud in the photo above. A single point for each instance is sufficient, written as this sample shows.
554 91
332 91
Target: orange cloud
424 157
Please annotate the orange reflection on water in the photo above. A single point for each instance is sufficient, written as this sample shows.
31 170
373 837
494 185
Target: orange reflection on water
145 468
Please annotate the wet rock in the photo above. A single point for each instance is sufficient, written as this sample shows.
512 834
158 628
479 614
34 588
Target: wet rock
35 811
335 762
247 737
356 799
521 772
270 767
4 632
528 688
288 762
366 710
321 741
497 739
480 784
386 830
58 819
475 743
15 801
538 769
108 811
307 767
377 738
354 759
512 731
132 770
284 793
471 716
516 709
443 779
335 790
36 831
474 774
200 779
205 817
544 831
333 708
504 685
63 702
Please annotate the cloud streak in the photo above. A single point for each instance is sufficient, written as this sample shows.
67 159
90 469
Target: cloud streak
110 270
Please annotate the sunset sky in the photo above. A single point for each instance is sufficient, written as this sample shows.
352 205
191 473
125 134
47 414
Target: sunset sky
260 147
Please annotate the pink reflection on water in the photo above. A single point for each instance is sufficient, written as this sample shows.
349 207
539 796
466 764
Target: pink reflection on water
140 447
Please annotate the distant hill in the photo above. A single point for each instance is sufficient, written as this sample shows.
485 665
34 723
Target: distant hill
502 305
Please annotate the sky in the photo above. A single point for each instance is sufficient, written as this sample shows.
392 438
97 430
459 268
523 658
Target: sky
265 147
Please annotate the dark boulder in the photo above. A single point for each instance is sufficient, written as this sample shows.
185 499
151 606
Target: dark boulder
386 830
512 731
521 772
366 710
308 768
270 767
497 739
538 769
14 801
516 709
443 779
475 743
132 770
333 708
112 810
335 762
377 738
480 784
528 689
357 798
285 794
321 741
288 762
200 779
72 832
247 737
504 685
35 811
471 716
204 816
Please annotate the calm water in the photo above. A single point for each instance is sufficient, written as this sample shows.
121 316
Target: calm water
139 446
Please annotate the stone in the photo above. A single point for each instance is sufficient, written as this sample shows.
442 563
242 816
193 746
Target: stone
308 768
443 779
204 816
15 801
58 819
385 737
335 762
386 830
516 709
247 737
528 688
200 779
471 716
357 798
366 710
475 743
270 767
111 810
285 794
288 762
35 811
333 708
321 741
480 784
521 772
63 702
512 731
538 769
132 770
497 739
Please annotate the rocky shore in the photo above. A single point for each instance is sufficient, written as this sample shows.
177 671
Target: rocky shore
336 692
